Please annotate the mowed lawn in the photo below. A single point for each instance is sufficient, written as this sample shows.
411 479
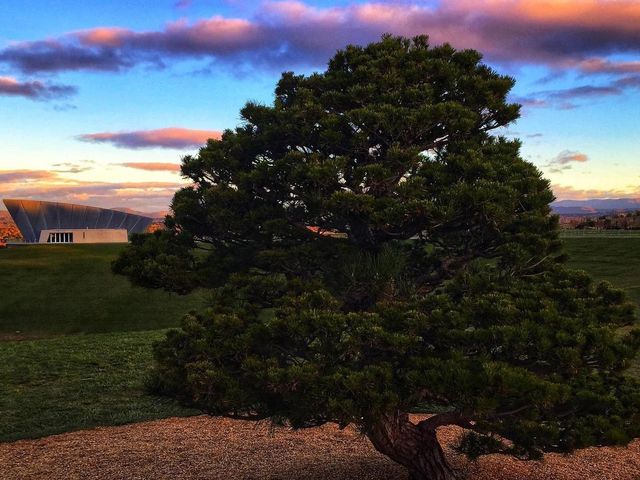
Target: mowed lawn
69 383
66 289
615 259
75 340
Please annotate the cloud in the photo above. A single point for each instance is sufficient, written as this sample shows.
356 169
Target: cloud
600 65
570 156
11 176
532 101
565 98
565 160
69 167
152 166
64 107
34 90
584 91
63 55
576 33
173 137
565 192
49 185
632 81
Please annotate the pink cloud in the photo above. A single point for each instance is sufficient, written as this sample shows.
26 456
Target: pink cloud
377 13
213 36
600 65
153 166
556 33
55 185
565 160
12 176
173 137
46 185
568 156
105 36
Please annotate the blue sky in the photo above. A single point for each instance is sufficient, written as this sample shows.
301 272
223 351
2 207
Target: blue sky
101 99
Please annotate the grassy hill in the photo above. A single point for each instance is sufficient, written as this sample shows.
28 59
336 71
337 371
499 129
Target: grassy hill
75 340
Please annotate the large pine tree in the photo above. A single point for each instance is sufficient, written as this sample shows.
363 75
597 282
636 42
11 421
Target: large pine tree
373 248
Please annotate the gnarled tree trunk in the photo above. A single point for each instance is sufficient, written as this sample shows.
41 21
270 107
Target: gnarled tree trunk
409 445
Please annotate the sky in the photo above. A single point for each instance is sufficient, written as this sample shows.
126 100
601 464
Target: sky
100 100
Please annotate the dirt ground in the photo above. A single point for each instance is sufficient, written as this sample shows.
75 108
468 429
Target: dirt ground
213 448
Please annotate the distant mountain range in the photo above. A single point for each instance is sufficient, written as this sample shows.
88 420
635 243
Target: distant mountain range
596 206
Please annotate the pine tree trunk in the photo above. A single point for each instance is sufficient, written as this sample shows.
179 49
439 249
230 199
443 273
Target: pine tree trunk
418 450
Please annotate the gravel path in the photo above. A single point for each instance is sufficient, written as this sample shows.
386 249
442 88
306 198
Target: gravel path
213 448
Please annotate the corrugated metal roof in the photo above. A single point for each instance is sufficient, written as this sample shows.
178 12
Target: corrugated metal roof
33 216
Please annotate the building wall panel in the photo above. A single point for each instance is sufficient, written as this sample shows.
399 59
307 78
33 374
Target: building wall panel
33 217
90 235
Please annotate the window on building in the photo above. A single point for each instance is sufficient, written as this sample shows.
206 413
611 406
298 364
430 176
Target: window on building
61 237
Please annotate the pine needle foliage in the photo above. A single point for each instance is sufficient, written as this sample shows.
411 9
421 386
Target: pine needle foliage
372 246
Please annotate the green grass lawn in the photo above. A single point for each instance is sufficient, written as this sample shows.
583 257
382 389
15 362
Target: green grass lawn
65 375
80 381
610 258
64 289
76 378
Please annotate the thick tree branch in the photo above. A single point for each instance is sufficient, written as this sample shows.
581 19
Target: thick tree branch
443 419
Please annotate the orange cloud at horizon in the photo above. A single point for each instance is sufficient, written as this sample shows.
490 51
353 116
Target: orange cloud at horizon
566 192
152 166
49 185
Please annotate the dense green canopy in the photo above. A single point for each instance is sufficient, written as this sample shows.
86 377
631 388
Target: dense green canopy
373 248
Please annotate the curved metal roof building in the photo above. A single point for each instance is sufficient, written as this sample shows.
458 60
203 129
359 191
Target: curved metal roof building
34 216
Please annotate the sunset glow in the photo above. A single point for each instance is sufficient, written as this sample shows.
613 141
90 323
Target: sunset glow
101 111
